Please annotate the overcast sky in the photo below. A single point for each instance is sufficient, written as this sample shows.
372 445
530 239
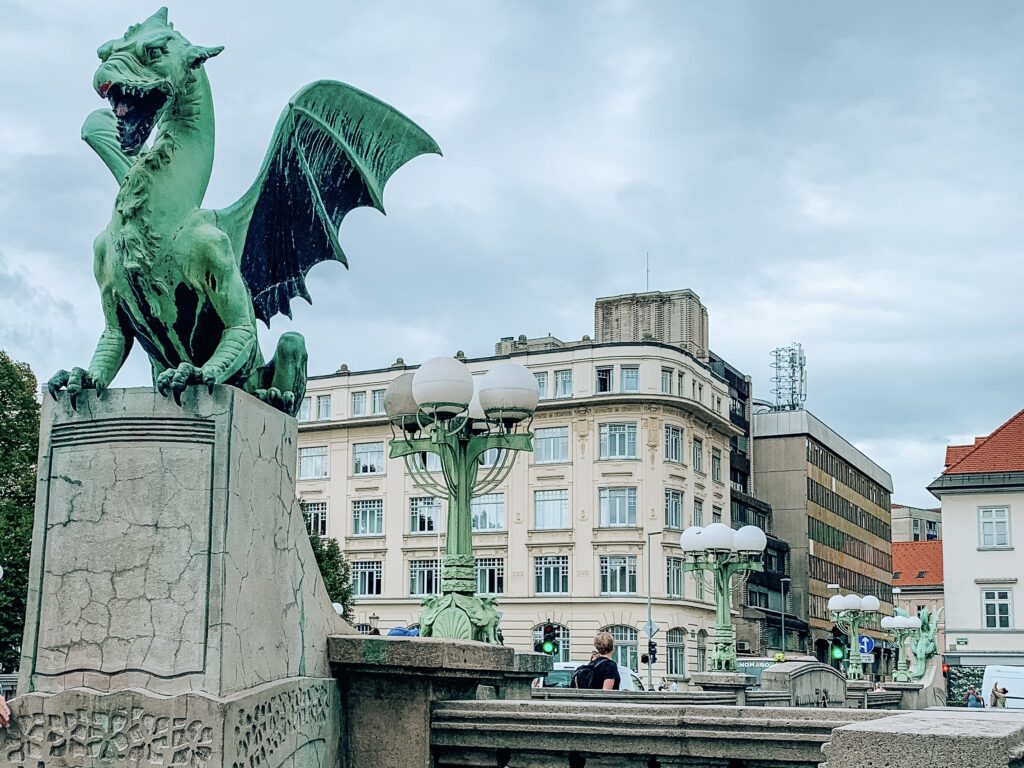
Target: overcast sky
846 175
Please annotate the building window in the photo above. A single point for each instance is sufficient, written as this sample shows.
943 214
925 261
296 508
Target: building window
552 574
378 401
312 462
618 575
424 514
604 380
630 377
490 457
698 454
490 575
666 381
488 512
315 513
550 445
994 526
673 508
698 512
367 577
674 577
551 509
358 403
431 462
625 638
305 408
323 407
368 458
673 443
424 577
680 381
618 441
542 384
368 517
702 651
932 530
563 383
996 612
618 507
561 635
363 629
699 584
716 465
716 514
675 652
917 528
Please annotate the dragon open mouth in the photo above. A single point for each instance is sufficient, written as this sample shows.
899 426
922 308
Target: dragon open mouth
136 109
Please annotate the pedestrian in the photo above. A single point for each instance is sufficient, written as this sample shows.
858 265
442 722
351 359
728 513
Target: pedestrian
5 711
602 673
973 699
998 696
823 701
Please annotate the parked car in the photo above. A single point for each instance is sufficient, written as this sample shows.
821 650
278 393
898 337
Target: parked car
561 675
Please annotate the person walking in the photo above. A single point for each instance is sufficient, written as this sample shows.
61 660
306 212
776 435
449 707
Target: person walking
973 699
998 696
602 673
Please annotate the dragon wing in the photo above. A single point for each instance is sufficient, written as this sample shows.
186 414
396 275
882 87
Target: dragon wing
334 149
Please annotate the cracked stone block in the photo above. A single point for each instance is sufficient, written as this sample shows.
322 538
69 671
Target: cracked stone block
170 559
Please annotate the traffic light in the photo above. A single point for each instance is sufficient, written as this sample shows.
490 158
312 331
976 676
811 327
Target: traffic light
838 652
652 651
549 641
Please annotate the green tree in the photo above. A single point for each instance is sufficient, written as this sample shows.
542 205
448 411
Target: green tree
19 438
336 571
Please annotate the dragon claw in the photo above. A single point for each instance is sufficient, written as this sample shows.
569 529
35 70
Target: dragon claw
175 381
57 382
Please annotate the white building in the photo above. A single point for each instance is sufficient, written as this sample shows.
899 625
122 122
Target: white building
982 495
631 439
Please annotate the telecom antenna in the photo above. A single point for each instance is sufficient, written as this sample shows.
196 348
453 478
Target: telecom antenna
789 383
648 271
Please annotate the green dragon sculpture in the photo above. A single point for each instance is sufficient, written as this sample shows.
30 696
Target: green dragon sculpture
188 284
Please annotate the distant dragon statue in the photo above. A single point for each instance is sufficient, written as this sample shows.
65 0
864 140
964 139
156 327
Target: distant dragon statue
187 283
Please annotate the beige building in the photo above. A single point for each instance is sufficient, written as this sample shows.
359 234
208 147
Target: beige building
916 524
671 317
831 503
631 439
982 495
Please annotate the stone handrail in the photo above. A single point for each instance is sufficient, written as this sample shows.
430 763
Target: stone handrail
637 697
552 733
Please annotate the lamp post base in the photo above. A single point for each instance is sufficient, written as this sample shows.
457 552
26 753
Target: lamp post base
459 616
733 682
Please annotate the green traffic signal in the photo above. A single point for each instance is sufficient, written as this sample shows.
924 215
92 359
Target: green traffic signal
549 647
838 652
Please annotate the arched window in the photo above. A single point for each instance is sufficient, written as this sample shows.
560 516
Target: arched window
363 629
561 634
625 645
675 652
702 651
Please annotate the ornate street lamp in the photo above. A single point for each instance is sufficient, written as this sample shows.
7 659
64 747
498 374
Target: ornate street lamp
437 410
901 628
848 613
720 551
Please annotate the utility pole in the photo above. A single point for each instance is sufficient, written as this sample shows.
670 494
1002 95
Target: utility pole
650 616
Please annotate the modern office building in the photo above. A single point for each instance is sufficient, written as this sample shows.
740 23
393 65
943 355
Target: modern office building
632 444
916 524
830 502
982 495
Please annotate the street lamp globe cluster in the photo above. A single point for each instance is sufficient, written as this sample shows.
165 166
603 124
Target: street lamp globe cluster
442 409
901 628
722 552
849 612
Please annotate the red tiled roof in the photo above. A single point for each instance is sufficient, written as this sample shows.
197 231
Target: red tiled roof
1002 451
910 558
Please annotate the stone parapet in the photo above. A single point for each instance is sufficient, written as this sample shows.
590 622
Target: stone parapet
936 737
625 735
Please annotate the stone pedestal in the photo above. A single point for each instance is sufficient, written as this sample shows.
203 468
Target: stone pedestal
808 683
733 682
176 613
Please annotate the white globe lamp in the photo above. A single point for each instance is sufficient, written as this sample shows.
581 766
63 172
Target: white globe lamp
443 385
852 603
690 541
399 404
509 392
835 603
750 538
887 622
718 537
870 603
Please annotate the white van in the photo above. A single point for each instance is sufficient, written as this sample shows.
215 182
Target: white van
1010 678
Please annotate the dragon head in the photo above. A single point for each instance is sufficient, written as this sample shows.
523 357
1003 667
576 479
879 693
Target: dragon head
144 73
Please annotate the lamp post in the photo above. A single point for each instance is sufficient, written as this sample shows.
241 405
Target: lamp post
439 410
901 628
848 613
782 585
650 616
723 552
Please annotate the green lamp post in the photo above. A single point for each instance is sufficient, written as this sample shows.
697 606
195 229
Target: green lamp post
438 410
849 612
722 552
901 628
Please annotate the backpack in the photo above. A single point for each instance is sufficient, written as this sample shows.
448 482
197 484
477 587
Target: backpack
583 677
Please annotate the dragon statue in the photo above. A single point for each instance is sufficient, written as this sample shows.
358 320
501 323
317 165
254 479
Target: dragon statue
189 284
922 641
